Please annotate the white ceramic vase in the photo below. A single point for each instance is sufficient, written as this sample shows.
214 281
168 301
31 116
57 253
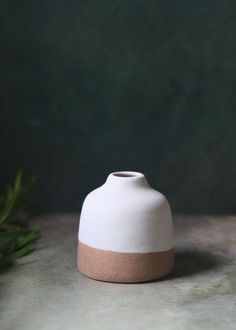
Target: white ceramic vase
126 231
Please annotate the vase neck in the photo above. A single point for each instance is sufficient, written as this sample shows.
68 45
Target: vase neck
126 179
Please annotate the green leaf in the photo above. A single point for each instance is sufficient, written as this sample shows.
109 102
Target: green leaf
16 238
6 260
18 182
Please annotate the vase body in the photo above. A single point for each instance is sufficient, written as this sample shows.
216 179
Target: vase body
126 231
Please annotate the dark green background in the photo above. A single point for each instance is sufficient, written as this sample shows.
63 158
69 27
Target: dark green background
89 87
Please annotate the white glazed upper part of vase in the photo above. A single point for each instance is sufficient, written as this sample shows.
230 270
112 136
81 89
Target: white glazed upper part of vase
126 215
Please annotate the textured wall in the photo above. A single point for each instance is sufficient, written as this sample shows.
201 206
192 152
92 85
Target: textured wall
89 87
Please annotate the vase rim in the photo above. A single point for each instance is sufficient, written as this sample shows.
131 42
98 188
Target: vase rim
124 178
127 174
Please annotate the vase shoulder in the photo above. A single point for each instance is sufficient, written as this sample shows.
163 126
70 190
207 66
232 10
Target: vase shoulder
126 216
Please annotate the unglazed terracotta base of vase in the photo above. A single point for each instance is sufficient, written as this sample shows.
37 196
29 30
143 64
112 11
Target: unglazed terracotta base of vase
126 232
124 267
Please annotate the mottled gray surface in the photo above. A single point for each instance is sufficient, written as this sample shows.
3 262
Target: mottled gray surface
45 291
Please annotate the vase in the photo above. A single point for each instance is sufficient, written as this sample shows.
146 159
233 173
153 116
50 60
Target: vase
125 231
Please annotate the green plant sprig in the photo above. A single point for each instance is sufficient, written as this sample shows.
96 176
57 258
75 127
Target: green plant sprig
17 239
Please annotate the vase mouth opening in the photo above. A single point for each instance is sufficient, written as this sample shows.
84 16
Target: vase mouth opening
127 174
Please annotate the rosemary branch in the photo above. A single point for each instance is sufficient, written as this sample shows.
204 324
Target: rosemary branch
17 239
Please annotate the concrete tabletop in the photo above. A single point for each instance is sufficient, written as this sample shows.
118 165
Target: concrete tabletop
45 290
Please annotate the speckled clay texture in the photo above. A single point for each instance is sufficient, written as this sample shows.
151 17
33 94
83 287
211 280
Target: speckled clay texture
124 267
